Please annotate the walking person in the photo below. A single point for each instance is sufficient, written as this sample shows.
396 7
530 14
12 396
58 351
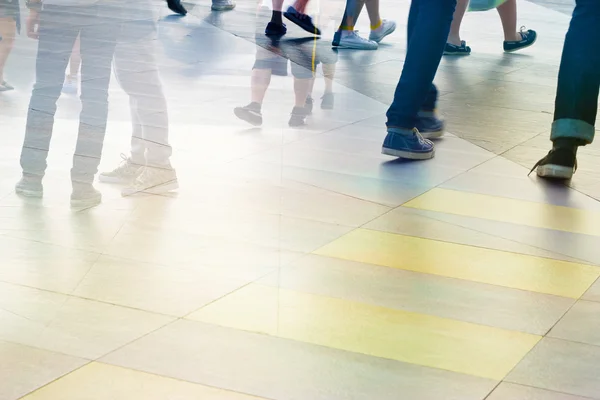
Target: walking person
57 25
217 5
10 22
513 40
411 119
348 38
576 103
148 168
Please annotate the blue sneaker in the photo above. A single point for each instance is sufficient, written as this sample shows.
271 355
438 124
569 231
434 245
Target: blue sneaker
430 126
412 146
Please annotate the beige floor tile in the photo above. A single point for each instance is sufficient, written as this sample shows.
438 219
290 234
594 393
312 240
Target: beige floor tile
98 381
23 369
593 294
70 325
510 391
580 324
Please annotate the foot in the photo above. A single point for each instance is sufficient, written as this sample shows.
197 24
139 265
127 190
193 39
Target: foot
5 87
85 195
298 117
409 145
457 50
327 101
386 28
351 40
302 20
560 163
30 186
222 5
250 113
430 126
308 106
124 174
176 7
71 85
153 180
275 29
527 39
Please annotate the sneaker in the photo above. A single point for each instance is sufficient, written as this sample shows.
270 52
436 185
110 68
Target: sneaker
274 29
85 195
302 20
352 40
308 106
222 5
327 101
176 7
386 28
298 117
431 127
154 181
560 163
528 39
250 113
411 146
5 87
30 186
71 85
454 50
124 174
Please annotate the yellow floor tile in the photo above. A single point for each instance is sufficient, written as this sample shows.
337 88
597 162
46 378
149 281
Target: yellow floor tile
502 209
519 271
98 381
409 337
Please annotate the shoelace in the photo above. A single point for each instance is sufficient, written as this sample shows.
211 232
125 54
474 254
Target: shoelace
524 32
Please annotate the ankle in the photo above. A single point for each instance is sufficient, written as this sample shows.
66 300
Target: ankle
455 40
377 25
568 143
514 37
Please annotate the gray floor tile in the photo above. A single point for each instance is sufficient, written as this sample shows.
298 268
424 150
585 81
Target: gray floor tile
510 391
580 324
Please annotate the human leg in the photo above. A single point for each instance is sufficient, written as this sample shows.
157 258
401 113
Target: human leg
8 28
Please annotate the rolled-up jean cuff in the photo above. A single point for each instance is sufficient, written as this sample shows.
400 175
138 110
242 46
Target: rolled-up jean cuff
400 131
572 128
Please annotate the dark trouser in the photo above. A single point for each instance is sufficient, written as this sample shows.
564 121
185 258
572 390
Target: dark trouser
97 27
579 78
428 28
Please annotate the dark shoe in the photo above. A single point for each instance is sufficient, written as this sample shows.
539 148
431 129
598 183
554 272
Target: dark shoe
327 101
222 5
560 163
308 106
430 127
454 50
274 29
30 186
250 113
529 38
302 20
176 7
85 195
298 117
410 146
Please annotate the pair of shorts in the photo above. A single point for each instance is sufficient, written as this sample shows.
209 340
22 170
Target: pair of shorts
11 9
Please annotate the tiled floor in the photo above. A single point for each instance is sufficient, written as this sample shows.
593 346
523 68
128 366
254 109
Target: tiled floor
300 263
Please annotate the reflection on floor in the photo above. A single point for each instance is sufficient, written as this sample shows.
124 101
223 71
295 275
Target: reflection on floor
297 262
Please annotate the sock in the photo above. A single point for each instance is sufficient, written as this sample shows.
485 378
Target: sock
377 25
255 106
568 143
277 17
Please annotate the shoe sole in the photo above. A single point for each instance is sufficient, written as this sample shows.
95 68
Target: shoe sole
159 189
407 154
521 48
248 116
554 172
432 135
222 8
452 53
29 193
341 46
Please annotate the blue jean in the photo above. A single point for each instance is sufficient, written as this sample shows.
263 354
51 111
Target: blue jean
428 28
579 77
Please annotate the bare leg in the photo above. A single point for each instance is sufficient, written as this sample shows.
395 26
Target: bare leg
300 6
8 29
508 16
261 79
351 13
301 90
328 74
459 13
75 62
373 11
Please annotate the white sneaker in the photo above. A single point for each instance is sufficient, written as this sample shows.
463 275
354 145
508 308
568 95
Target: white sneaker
386 28
154 181
222 5
125 174
351 40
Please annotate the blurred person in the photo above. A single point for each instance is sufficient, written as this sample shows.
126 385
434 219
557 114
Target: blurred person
71 84
217 5
56 26
10 22
348 38
513 40
412 119
576 103
148 168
